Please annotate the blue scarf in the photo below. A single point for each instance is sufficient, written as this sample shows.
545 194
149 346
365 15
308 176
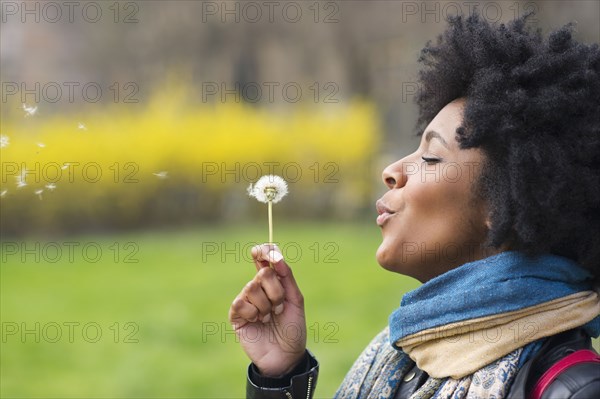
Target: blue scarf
498 284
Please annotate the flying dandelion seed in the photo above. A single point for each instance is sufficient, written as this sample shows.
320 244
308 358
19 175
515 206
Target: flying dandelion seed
162 174
39 193
41 145
21 179
65 165
81 126
269 189
3 193
4 141
29 111
51 186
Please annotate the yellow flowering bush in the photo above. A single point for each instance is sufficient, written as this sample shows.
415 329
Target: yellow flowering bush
175 160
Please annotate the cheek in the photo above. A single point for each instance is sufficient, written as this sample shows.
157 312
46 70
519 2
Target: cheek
438 192
445 215
432 214
424 199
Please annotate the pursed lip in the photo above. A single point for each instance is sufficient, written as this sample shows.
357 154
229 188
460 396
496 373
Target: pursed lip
383 211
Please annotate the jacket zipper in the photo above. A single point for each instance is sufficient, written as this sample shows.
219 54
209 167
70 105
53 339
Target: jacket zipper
310 378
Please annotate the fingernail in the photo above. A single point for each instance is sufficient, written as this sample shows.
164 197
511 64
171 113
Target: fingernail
278 309
275 256
267 318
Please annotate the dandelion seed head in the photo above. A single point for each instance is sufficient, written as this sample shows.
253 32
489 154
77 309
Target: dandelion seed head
268 188
81 126
4 141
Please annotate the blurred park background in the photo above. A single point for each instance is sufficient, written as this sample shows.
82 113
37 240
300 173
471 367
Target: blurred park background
130 131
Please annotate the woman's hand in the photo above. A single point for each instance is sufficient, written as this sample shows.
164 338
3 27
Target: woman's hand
268 315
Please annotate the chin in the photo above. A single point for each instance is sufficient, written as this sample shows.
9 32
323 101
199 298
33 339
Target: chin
385 259
392 261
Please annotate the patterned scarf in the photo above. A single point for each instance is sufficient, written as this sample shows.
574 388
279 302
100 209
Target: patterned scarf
472 328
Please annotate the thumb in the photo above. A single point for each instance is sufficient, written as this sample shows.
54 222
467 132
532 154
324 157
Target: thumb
286 277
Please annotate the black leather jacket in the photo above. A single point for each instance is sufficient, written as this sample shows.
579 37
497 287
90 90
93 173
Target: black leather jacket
581 381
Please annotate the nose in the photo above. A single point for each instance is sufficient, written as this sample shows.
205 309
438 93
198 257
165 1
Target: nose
393 175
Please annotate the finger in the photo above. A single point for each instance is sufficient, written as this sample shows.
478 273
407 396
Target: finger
260 254
270 254
257 297
242 312
269 281
286 278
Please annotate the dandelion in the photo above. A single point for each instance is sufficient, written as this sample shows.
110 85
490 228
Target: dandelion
3 193
269 189
81 126
51 186
4 141
29 111
39 193
162 174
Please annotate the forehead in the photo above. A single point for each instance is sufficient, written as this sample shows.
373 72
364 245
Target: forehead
446 122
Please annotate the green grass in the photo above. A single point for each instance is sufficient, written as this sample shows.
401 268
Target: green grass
177 297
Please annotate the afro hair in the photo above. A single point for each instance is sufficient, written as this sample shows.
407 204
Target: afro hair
533 108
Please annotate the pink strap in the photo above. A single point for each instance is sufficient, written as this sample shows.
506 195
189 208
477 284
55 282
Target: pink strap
581 356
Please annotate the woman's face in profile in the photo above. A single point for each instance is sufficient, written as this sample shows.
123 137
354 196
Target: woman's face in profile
430 219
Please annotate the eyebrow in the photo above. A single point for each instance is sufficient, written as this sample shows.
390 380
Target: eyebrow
432 134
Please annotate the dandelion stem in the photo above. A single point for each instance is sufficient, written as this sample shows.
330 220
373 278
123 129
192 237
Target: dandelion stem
270 222
270 206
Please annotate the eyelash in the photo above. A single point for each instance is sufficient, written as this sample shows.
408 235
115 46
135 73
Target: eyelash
430 161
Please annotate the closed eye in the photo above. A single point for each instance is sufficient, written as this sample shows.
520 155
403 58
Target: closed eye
430 161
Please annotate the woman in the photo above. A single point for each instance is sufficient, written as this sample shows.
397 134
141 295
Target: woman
496 213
